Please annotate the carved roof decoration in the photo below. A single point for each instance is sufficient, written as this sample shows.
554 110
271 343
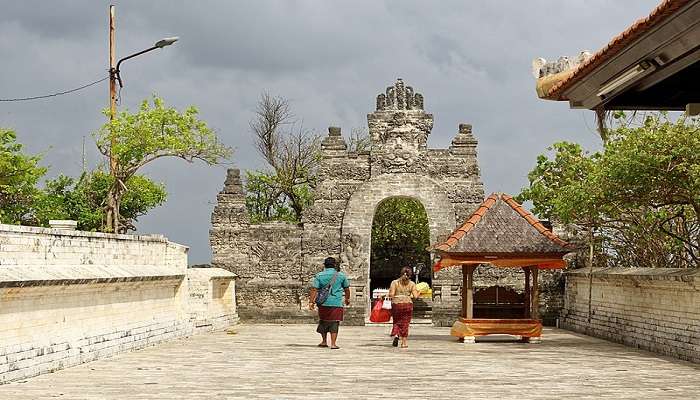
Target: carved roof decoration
615 46
502 226
399 97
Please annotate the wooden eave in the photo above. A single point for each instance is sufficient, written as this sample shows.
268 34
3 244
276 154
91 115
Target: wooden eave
669 38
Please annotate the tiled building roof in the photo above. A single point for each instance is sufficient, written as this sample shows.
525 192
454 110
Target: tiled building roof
502 226
639 28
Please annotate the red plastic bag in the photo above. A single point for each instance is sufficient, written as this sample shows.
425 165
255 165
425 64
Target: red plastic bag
379 314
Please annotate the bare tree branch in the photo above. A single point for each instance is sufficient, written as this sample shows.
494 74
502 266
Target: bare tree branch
288 147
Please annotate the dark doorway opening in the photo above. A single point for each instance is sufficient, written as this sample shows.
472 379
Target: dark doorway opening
499 302
400 235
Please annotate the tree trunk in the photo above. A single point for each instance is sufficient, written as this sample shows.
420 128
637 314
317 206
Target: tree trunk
114 197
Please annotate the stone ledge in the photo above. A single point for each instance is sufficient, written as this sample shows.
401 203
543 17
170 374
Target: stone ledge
35 275
78 281
6 228
673 274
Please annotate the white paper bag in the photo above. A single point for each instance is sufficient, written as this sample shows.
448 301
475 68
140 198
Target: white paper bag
386 305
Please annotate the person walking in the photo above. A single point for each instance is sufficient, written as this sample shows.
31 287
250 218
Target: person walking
401 293
330 309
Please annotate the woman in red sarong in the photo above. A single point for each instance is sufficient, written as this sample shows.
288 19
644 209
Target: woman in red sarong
402 292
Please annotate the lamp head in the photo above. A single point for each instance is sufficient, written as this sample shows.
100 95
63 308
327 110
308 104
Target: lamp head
166 42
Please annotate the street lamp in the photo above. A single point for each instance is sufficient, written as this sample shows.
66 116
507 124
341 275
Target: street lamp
159 45
112 220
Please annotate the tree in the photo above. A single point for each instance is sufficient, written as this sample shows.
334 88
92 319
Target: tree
83 200
560 187
155 131
19 174
263 199
400 236
359 140
641 194
292 151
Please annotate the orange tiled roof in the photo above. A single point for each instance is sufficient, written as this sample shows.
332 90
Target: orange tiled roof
499 227
661 12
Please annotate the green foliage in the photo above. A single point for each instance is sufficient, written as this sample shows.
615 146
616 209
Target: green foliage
265 200
83 200
158 131
641 194
560 187
19 174
400 236
132 140
656 164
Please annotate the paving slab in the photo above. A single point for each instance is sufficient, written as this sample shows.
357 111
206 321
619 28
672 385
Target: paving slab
282 361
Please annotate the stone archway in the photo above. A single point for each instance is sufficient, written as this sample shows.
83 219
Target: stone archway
276 262
356 228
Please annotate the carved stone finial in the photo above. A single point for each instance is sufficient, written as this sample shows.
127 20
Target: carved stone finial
399 97
464 139
334 141
233 184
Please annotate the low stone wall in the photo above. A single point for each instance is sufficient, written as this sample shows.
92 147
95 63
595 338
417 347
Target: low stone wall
212 298
68 297
272 285
652 309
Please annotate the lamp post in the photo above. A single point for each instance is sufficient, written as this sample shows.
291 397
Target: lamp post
114 77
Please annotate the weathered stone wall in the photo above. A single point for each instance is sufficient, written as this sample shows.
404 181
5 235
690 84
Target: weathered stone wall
272 286
68 297
267 258
350 186
653 309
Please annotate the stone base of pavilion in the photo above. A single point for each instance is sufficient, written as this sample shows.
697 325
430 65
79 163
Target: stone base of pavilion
468 329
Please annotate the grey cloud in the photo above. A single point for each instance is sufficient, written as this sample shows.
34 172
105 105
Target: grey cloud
470 60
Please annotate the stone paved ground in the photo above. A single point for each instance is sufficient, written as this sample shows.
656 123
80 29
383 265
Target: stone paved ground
272 361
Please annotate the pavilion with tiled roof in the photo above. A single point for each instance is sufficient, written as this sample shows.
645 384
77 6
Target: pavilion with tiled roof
503 234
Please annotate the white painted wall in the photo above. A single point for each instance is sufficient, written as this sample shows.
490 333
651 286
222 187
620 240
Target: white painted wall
68 297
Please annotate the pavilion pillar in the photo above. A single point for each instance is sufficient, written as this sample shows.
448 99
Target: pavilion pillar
468 291
535 296
526 311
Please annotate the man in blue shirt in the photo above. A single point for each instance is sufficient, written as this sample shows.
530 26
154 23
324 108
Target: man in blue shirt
330 312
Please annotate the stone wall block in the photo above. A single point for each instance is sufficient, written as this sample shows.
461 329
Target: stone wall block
653 309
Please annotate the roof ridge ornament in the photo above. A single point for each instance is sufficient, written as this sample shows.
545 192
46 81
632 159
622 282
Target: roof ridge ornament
399 97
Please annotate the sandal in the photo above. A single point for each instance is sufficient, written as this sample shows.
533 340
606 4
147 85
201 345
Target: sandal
335 348
322 345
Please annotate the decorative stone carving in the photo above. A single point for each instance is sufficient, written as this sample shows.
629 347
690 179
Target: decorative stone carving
352 257
542 68
399 97
276 263
399 130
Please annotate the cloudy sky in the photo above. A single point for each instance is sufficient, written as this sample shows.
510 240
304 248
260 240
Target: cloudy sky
471 61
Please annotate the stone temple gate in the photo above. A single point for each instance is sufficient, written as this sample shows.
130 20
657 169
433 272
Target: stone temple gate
275 262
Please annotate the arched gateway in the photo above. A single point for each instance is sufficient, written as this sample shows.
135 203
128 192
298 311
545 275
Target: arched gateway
275 262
